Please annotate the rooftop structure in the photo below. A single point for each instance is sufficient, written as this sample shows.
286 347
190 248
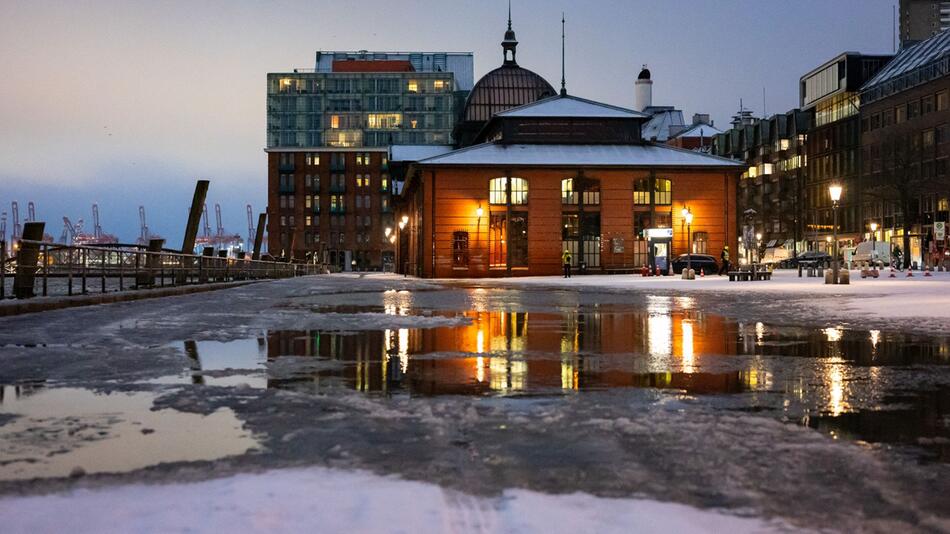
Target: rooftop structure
915 65
922 19
505 87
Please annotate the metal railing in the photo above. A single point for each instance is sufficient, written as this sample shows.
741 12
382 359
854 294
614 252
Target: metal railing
67 270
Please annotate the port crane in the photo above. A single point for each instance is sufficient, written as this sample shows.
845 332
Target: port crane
250 228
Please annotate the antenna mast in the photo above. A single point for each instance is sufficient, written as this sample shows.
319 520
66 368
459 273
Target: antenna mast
563 82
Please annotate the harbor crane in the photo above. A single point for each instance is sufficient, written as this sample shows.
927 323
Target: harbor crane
17 229
30 212
250 228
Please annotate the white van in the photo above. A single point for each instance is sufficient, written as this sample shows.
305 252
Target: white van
872 253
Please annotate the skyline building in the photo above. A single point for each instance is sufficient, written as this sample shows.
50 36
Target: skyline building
329 130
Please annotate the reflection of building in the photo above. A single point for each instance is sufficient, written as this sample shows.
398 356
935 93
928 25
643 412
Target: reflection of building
922 19
831 93
328 133
905 142
562 173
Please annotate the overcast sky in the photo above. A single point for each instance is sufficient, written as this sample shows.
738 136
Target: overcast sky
127 103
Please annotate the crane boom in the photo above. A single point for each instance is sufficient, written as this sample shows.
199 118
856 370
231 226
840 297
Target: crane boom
3 226
96 229
250 228
217 216
30 212
16 222
143 227
204 219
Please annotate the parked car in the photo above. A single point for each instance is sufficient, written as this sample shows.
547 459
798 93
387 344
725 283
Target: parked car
699 263
809 257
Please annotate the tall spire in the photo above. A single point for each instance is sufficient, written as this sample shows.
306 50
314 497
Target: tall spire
511 42
563 81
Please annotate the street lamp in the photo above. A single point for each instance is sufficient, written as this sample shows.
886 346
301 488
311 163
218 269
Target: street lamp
388 231
873 242
688 217
479 212
835 191
758 247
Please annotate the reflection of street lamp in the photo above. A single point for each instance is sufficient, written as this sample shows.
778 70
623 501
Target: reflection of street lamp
688 217
835 191
479 212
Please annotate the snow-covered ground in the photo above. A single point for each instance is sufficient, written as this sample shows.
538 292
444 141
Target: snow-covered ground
328 500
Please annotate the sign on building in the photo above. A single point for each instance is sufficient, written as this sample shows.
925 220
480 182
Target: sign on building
940 231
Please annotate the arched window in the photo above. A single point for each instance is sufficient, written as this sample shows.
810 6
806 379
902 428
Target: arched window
498 191
568 193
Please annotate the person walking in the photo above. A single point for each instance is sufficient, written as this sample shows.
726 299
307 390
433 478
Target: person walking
566 262
724 257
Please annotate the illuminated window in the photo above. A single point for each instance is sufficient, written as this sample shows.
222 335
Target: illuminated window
313 158
384 182
753 171
497 191
641 191
568 195
413 86
334 121
664 192
348 138
383 121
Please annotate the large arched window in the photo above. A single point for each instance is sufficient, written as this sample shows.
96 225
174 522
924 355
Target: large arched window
498 191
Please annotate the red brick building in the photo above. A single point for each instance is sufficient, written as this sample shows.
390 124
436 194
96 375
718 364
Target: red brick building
559 174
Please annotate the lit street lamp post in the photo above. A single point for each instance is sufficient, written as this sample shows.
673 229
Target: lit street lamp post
835 191
874 244
688 217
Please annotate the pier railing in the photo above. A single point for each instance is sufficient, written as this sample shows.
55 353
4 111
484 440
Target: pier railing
37 268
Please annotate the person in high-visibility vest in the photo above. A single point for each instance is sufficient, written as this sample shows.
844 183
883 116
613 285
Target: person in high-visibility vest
724 256
566 261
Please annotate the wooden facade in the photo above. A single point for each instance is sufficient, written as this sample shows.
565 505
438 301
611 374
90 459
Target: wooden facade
442 207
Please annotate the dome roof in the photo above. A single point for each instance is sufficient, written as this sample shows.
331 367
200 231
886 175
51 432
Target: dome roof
506 87
644 74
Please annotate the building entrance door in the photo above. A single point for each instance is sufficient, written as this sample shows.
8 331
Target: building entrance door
660 252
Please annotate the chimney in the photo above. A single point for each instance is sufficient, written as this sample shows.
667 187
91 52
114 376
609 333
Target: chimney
701 118
643 90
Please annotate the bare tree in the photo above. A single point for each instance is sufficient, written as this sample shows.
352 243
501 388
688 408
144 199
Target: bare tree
903 178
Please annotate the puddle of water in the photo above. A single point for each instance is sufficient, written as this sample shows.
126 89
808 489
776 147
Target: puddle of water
669 344
57 430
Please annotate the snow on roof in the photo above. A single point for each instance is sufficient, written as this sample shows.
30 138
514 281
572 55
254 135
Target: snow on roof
912 57
588 155
658 127
699 130
416 152
571 106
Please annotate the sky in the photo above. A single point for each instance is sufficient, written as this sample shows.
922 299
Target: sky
127 103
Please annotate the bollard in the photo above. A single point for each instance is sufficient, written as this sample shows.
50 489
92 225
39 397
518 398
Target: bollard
26 260
844 277
864 272
828 277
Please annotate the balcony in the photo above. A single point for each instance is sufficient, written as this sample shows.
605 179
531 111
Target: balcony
316 209
337 165
315 187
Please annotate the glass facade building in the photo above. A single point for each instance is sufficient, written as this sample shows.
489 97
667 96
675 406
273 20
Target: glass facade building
368 100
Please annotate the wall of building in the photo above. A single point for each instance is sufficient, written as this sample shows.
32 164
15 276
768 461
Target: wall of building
329 218
455 195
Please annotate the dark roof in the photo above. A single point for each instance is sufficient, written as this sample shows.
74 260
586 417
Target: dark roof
506 87
644 74
914 63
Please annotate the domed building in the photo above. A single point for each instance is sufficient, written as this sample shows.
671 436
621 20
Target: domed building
506 87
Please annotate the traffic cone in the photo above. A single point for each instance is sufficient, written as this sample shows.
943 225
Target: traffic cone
910 273
927 272
702 273
893 274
